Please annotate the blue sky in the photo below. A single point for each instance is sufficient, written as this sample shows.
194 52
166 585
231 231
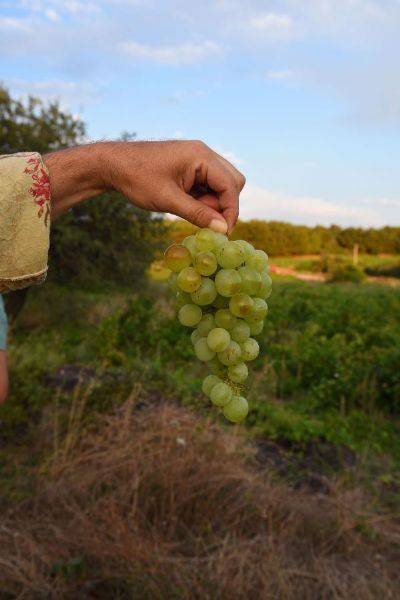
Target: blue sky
303 95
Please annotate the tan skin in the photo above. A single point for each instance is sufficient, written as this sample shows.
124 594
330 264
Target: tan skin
184 178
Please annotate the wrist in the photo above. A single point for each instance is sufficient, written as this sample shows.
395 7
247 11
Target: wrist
75 175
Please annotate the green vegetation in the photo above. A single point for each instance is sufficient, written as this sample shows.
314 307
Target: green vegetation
328 365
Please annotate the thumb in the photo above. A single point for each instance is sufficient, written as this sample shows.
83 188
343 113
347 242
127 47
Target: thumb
196 212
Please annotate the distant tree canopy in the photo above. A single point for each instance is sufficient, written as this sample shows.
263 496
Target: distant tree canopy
284 239
104 240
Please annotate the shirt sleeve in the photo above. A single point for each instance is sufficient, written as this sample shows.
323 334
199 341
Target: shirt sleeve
24 220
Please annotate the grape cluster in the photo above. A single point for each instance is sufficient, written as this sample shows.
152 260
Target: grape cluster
221 289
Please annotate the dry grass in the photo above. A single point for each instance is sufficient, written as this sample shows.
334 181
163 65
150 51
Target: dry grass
158 504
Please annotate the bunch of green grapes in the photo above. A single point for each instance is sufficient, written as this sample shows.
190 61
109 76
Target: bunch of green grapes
221 288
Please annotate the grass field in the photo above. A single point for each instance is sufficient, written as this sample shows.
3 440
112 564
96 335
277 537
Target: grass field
121 480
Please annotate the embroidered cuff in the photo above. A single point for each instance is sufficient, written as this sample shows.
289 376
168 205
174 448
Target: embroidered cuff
24 220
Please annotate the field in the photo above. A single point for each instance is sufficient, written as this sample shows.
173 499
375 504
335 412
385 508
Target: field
118 480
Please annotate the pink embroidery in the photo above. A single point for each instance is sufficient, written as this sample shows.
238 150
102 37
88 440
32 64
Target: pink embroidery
40 188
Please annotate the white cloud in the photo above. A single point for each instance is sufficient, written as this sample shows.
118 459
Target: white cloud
260 203
182 54
280 74
273 25
52 15
68 93
14 24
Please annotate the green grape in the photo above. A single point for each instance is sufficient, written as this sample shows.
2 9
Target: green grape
177 257
260 310
206 324
258 261
221 302
251 280
190 243
249 349
190 315
189 280
205 240
195 336
216 367
231 355
206 292
221 394
236 410
256 327
220 239
224 318
266 286
208 383
247 248
241 305
240 332
182 298
228 282
218 339
205 263
238 373
230 255
202 351
173 282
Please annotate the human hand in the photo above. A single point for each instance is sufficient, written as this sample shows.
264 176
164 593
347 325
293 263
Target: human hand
185 178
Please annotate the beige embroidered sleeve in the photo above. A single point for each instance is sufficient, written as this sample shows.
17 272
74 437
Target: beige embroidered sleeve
24 220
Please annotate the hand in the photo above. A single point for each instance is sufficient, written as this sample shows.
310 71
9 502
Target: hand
185 178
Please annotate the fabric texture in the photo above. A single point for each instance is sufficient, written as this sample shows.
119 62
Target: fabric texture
3 326
24 220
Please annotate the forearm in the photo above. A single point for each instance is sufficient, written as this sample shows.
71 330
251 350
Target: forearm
76 174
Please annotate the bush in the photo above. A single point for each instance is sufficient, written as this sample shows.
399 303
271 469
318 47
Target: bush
347 273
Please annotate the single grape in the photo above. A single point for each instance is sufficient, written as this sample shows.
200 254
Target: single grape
241 305
189 280
206 292
190 243
238 373
206 324
236 410
221 302
228 282
208 383
216 367
240 332
195 336
220 239
258 261
205 240
205 263
182 298
224 318
221 394
177 257
173 282
202 350
218 339
266 286
251 280
247 248
249 349
230 255
256 327
231 355
190 315
260 310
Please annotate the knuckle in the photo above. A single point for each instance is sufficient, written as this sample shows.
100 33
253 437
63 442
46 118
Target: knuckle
242 181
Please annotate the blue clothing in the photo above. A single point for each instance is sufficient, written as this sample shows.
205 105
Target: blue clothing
3 326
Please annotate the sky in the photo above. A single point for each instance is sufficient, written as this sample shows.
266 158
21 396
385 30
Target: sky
302 95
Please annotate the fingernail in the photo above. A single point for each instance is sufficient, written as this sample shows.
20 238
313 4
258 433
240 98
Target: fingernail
218 225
